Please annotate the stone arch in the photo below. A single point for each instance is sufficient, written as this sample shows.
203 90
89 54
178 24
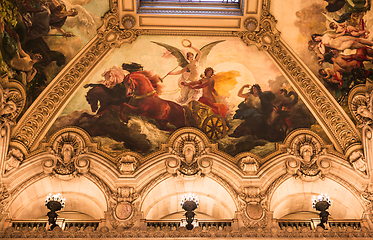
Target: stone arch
163 199
82 195
294 195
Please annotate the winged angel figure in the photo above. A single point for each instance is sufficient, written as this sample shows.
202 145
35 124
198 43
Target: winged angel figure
191 67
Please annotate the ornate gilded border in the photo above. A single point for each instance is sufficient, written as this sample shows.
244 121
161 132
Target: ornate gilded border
33 126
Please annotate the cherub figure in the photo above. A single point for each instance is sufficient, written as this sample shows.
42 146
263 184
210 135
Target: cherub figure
344 29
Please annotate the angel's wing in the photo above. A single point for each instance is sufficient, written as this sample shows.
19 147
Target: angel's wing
176 52
205 50
86 22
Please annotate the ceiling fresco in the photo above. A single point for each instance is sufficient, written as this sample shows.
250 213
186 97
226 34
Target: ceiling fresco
167 95
130 88
50 34
334 40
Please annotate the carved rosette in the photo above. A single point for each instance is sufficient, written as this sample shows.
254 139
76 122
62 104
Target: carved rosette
251 24
190 156
307 162
255 208
68 158
128 21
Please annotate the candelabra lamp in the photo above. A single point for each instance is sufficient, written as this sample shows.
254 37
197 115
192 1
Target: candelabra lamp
189 203
322 203
54 203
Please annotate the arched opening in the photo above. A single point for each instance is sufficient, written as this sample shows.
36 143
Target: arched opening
163 201
294 196
84 200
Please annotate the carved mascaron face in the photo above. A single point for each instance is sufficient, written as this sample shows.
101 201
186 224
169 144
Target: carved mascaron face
189 151
67 152
306 151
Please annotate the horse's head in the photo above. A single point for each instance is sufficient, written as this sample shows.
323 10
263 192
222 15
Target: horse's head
129 83
92 100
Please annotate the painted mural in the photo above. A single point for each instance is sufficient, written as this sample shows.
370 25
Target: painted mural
39 37
334 38
145 90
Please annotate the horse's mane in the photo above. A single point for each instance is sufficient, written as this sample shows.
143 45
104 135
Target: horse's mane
155 80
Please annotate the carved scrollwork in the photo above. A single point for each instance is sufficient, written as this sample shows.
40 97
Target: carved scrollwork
111 33
123 214
124 207
265 36
190 156
67 156
367 196
122 204
4 198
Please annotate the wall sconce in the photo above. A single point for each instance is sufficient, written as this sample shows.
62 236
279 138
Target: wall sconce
322 203
54 203
189 203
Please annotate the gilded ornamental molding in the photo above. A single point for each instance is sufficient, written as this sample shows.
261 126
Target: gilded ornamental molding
33 126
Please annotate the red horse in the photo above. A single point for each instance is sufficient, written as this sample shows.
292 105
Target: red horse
145 101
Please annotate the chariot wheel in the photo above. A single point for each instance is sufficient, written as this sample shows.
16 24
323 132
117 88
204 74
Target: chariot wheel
214 127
